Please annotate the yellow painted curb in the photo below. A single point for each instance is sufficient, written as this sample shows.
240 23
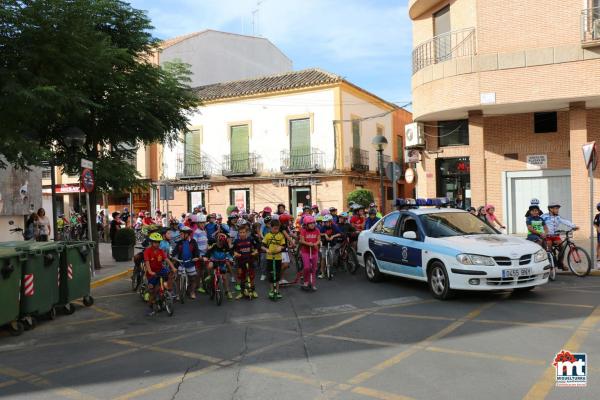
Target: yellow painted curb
111 278
593 272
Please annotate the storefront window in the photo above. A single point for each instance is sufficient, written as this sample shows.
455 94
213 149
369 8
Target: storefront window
453 133
240 198
299 197
454 179
195 199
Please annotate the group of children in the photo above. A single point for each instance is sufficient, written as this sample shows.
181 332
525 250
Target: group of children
267 241
542 228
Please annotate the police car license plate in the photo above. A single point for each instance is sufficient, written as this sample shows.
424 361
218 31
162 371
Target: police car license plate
515 273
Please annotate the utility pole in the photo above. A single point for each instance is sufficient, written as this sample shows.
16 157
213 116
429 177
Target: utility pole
256 19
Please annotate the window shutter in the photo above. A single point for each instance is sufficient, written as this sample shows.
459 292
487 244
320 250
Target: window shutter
300 143
356 134
240 148
192 152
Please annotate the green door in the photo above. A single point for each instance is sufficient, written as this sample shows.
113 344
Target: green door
192 153
356 159
240 148
300 143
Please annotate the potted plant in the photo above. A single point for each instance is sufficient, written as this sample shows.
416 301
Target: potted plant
122 248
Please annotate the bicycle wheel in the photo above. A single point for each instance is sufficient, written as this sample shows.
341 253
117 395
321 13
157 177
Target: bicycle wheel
352 260
552 274
169 304
220 291
181 288
328 257
136 280
579 261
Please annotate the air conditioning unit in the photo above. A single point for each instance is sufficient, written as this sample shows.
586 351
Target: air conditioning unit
414 135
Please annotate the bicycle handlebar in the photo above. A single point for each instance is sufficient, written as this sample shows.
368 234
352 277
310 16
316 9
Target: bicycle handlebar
181 261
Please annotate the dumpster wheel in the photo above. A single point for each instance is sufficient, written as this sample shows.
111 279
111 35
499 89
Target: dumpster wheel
16 328
69 308
29 322
52 313
88 301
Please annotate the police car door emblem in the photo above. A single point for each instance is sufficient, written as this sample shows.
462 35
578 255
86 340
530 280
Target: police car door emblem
404 254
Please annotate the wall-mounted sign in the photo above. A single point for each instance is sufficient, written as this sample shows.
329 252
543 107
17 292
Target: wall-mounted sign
409 175
411 156
359 181
537 161
194 187
88 182
487 98
296 182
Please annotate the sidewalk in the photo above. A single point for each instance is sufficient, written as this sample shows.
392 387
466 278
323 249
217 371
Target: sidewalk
111 269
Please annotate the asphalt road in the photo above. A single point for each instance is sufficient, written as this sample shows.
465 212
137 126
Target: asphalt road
351 339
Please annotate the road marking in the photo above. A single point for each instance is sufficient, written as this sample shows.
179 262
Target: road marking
341 323
371 372
169 382
403 315
378 394
546 303
334 309
107 312
517 360
89 321
8 383
544 385
357 340
155 347
255 317
115 295
110 279
288 376
88 362
397 300
519 323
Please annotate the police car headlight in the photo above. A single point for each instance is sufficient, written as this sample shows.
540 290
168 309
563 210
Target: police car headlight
474 259
540 256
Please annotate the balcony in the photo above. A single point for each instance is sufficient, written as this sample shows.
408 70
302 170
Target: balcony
192 167
240 164
360 159
444 47
386 160
590 27
302 160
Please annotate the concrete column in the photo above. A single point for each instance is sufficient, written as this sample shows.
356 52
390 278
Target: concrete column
580 192
477 159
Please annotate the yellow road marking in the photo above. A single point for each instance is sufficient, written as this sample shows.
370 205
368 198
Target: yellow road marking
115 295
8 383
519 323
88 362
544 385
107 312
158 349
357 340
288 376
546 303
368 374
89 321
169 382
518 360
109 279
341 323
416 316
378 394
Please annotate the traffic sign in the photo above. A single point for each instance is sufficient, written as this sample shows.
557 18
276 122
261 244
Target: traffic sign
88 182
87 164
409 175
589 155
397 170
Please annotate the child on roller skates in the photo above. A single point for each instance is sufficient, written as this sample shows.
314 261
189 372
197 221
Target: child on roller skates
245 250
273 245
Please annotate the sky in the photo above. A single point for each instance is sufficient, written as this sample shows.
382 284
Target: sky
368 42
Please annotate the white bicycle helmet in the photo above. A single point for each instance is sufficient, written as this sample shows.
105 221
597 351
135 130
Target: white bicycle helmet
201 218
241 222
327 218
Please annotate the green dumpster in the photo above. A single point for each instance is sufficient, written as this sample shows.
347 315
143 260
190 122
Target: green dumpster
10 284
75 274
39 288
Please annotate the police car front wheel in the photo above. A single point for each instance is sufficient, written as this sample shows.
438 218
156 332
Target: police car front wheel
371 269
439 284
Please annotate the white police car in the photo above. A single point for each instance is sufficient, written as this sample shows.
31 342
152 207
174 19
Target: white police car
450 250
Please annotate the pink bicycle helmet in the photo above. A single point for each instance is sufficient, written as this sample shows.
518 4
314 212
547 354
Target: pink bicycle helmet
309 219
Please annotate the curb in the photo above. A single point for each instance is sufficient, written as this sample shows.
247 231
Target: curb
111 278
593 272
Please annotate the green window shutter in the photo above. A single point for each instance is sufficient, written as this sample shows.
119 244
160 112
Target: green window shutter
240 148
400 150
356 134
300 143
192 152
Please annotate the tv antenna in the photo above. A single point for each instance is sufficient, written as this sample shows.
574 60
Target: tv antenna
256 18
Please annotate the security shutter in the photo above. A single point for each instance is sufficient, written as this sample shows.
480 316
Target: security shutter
240 148
300 143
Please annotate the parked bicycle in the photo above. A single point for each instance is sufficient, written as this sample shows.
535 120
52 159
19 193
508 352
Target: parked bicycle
578 260
182 285
347 258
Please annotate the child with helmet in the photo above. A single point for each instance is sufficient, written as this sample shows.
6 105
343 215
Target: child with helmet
154 261
219 254
329 235
245 250
309 251
536 227
286 228
186 250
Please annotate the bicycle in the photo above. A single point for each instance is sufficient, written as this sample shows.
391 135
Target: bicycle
137 276
164 301
216 290
329 261
347 256
247 285
578 260
182 280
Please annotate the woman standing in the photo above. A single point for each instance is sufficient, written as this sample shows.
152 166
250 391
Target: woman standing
31 227
43 226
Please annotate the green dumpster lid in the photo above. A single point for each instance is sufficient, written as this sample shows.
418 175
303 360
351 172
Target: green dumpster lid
6 252
42 246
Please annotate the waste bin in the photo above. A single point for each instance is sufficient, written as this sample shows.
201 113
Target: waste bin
39 288
10 283
75 274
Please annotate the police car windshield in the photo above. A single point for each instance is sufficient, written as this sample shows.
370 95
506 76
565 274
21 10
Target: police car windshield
454 224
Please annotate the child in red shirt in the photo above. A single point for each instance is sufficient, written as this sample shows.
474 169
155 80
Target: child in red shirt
154 260
310 239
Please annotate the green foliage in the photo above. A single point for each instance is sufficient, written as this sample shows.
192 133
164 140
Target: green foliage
125 237
230 209
363 197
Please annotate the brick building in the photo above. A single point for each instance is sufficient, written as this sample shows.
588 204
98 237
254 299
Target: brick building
506 93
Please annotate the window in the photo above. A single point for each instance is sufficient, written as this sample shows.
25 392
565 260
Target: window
454 224
300 143
195 199
240 198
46 170
409 224
380 130
387 225
400 151
453 133
240 148
441 28
545 122
356 134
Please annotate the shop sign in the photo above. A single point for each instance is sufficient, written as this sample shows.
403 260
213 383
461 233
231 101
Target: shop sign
194 187
359 181
537 161
296 182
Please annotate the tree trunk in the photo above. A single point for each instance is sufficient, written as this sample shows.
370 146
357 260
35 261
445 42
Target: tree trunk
92 206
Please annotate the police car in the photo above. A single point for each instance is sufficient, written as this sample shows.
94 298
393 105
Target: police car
451 250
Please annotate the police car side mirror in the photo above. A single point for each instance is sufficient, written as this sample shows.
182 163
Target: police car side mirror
412 235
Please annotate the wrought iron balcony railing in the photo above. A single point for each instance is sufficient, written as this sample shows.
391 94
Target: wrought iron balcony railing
386 160
302 160
240 164
360 159
444 47
590 26
192 167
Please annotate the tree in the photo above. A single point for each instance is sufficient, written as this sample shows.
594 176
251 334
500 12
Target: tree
86 64
363 197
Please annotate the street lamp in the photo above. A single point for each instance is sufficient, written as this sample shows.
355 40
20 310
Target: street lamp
379 143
